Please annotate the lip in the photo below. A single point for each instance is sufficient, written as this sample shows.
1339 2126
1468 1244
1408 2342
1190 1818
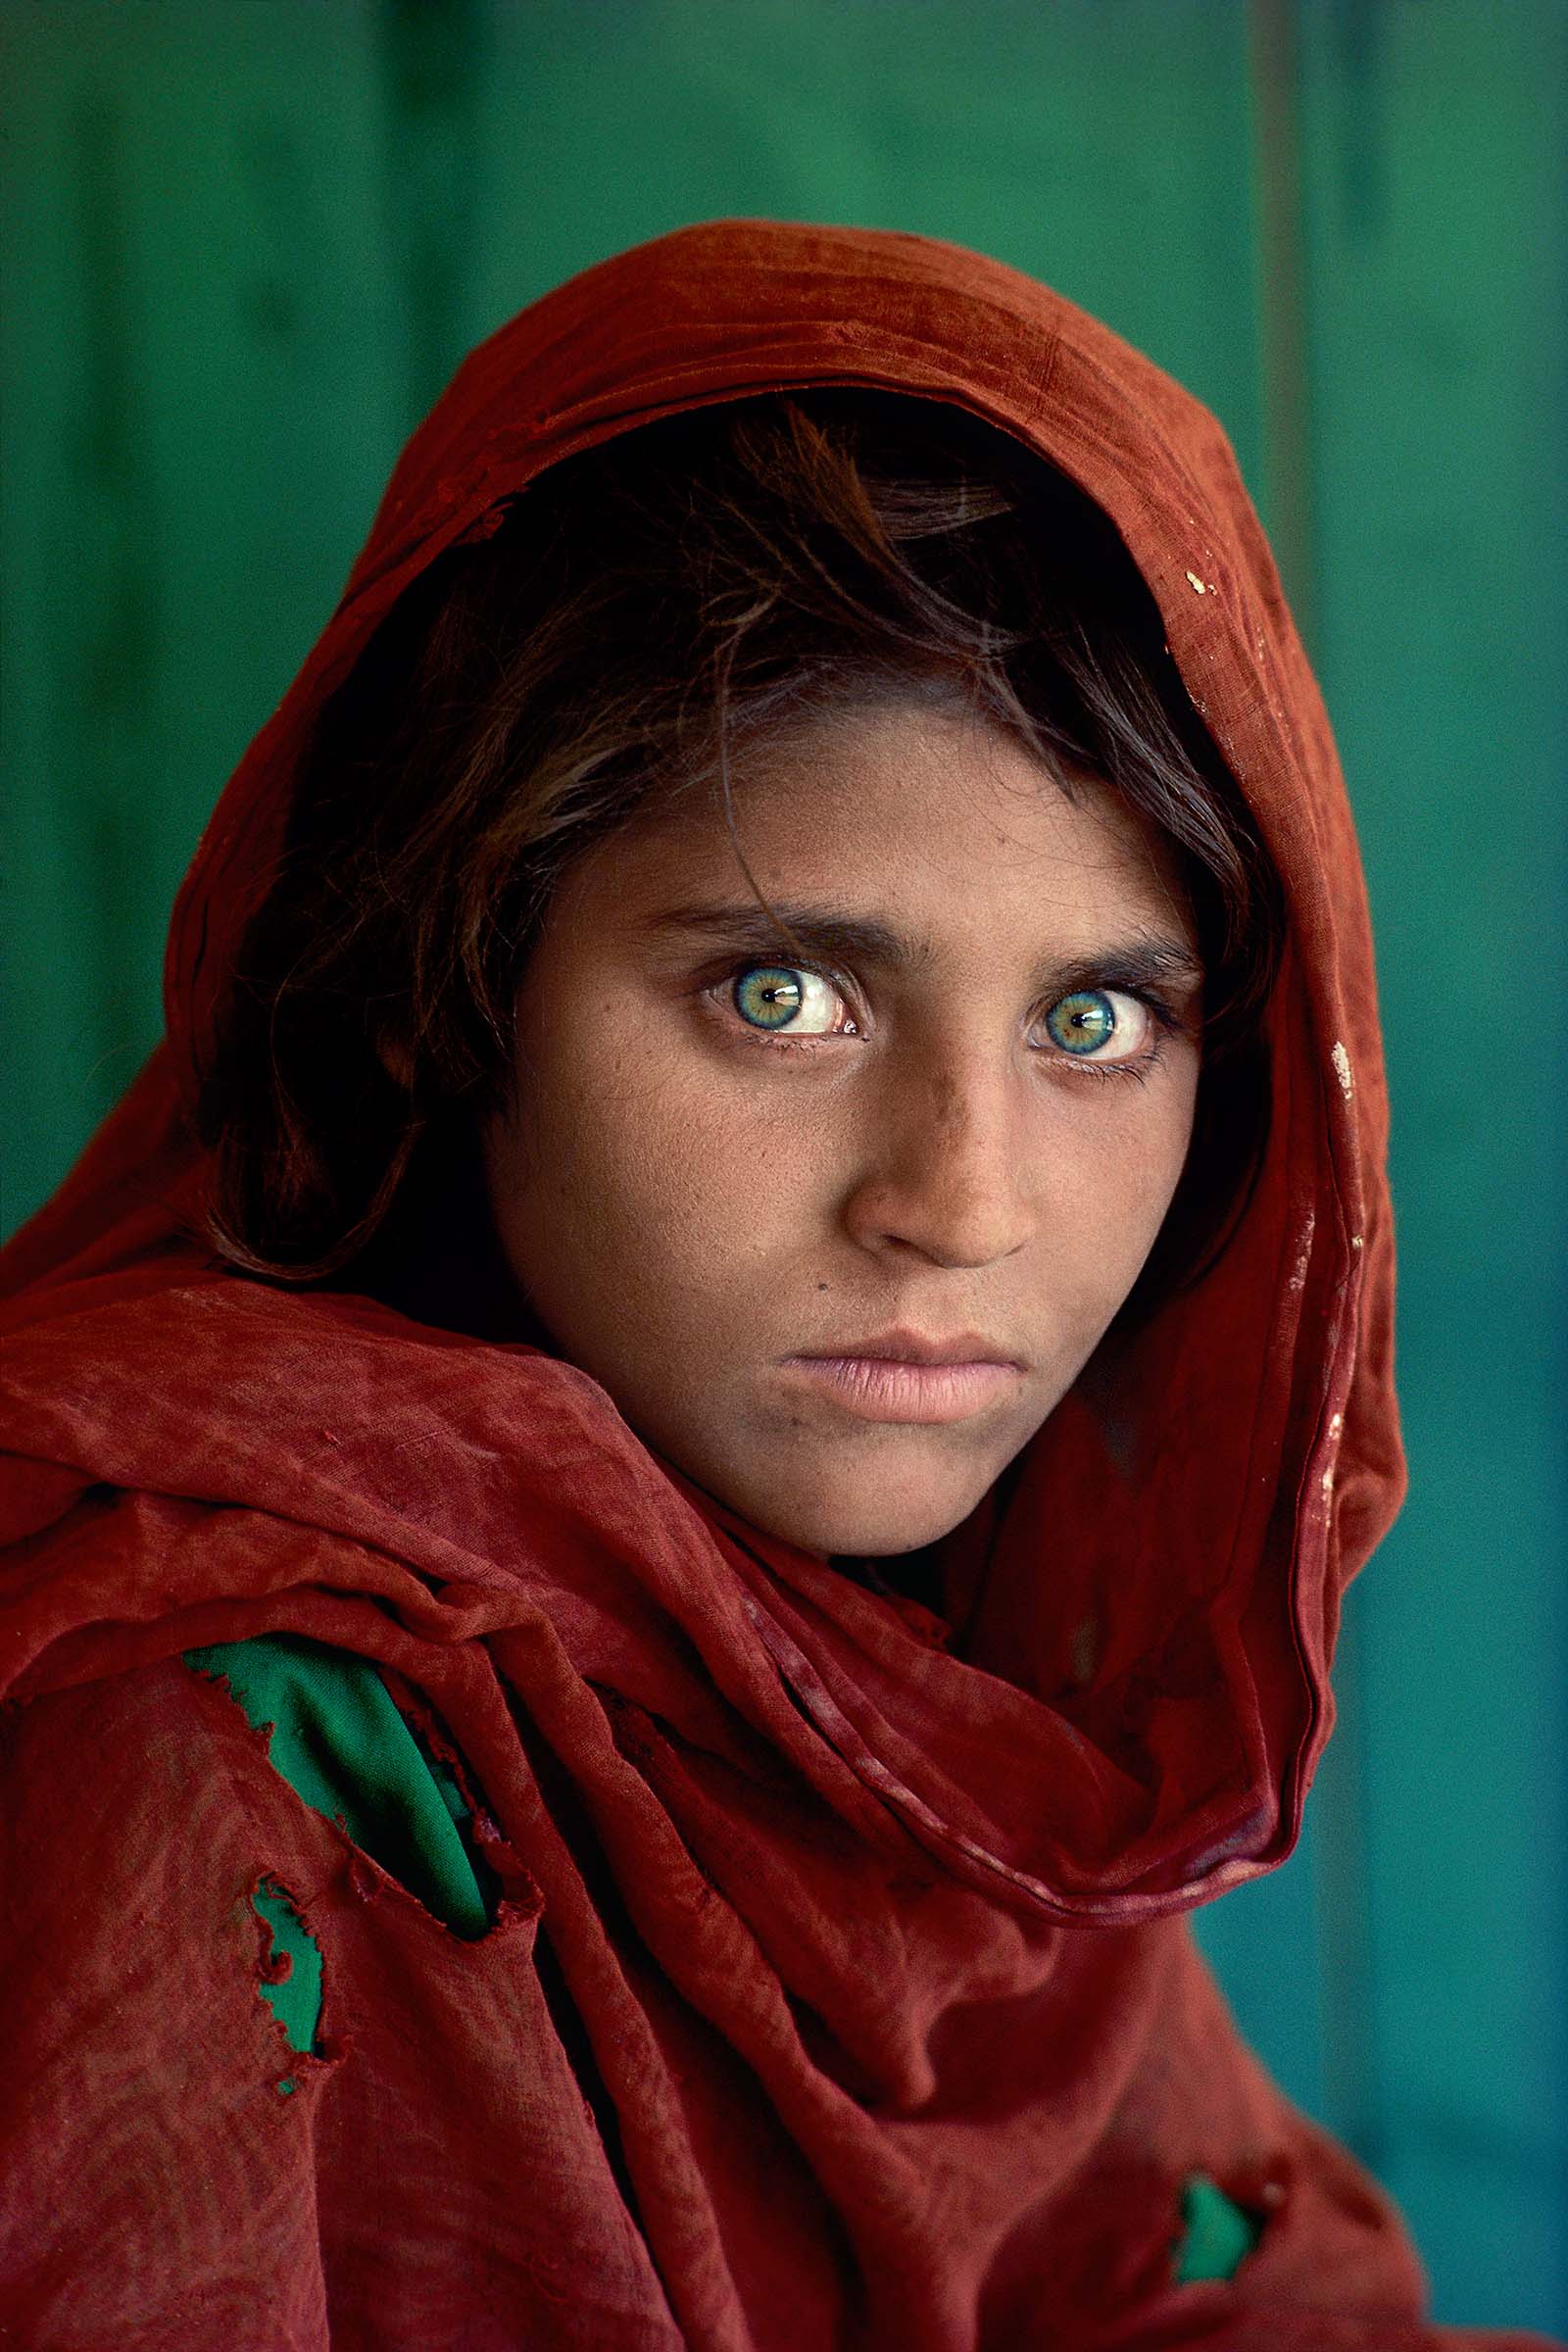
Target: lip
905 1347
904 1377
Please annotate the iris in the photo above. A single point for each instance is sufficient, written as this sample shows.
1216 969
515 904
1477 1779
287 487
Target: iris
1082 1022
768 996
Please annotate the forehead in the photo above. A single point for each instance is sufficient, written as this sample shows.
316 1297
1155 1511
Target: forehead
933 818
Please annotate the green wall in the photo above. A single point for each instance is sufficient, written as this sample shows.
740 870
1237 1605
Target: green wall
244 245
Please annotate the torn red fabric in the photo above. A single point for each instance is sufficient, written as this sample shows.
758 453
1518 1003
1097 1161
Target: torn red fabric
843 1991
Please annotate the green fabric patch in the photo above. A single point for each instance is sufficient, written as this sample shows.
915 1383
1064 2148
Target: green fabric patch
1219 2236
341 1744
294 1992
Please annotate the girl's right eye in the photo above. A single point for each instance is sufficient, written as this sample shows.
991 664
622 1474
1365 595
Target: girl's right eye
790 999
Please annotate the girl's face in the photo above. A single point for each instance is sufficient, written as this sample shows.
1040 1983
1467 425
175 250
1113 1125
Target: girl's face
836 1226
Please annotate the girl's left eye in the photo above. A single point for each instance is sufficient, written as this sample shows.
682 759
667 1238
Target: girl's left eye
1098 1024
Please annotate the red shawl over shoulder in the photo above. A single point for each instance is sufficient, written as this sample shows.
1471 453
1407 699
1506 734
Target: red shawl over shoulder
877 1948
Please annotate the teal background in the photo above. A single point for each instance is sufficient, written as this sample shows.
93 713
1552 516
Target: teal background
243 247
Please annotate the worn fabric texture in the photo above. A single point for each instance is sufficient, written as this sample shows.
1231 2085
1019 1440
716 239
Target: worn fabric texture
840 1989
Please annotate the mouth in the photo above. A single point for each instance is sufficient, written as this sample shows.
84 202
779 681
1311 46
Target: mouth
903 1376
906 1347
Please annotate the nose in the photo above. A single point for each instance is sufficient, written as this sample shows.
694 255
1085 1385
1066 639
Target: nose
944 1168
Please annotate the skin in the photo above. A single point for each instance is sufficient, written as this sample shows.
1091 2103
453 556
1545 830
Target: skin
689 1202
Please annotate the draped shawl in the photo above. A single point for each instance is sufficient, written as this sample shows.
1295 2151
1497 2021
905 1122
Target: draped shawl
841 1990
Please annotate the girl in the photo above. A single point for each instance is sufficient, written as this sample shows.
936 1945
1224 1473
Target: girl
683 1467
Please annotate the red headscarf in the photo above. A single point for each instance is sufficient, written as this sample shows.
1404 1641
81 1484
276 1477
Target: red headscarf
873 1930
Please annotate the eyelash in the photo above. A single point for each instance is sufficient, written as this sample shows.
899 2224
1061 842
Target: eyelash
1165 1023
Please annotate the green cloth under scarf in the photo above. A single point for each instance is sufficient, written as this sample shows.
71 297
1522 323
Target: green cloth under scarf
1219 2233
342 1745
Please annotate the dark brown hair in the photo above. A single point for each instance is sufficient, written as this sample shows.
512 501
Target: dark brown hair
645 615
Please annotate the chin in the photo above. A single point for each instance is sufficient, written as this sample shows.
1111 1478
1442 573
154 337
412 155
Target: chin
869 1528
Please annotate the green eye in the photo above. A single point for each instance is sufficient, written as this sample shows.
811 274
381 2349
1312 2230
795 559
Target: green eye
1083 1022
768 996
776 995
786 996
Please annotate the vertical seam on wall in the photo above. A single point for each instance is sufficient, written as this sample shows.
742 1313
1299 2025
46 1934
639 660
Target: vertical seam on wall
1340 1888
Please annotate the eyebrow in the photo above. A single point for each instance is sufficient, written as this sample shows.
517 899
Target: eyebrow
1143 959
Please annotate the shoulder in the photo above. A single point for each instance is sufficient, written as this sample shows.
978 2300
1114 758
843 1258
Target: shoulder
135 1815
130 1754
273 1746
157 2082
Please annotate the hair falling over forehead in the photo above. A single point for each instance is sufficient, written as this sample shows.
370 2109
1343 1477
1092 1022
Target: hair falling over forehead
646 617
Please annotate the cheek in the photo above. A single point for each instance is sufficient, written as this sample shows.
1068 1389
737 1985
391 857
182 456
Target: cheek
1115 1191
625 1201
1149 1172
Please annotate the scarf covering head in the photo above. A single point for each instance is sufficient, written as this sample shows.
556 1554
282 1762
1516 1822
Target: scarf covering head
866 1933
